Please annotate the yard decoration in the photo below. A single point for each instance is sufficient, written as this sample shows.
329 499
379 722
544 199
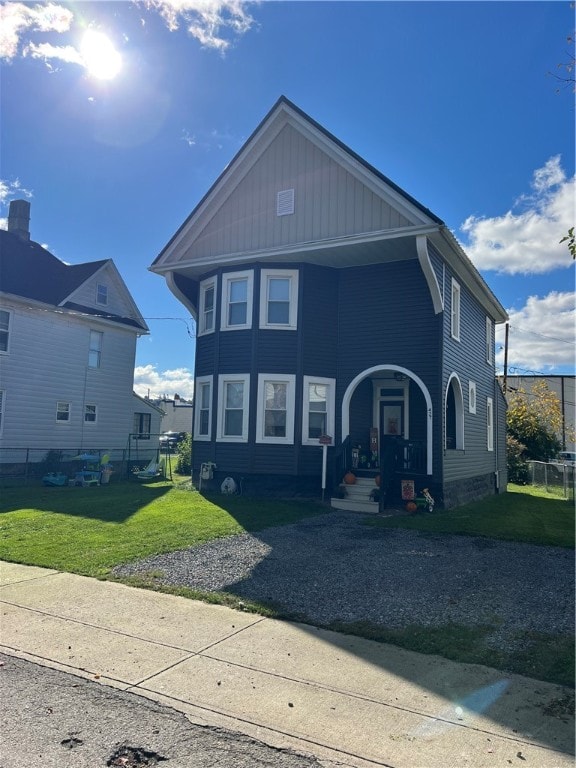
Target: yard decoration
349 478
411 507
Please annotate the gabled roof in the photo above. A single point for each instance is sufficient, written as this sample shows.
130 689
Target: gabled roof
29 271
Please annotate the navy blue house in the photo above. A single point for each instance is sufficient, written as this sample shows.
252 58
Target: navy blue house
332 307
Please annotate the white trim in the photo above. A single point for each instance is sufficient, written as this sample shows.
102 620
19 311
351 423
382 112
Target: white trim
227 279
455 311
330 407
223 380
459 412
429 274
276 378
2 409
380 368
10 314
472 397
489 341
289 274
489 424
205 285
68 411
199 384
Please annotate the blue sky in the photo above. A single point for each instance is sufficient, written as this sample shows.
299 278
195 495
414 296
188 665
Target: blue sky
114 137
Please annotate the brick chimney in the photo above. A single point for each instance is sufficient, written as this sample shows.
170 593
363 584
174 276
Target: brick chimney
19 219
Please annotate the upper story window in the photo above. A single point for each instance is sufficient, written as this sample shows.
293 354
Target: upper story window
203 411
275 418
489 424
4 330
279 299
95 351
101 294
237 289
206 312
455 316
489 342
472 397
62 412
318 410
233 394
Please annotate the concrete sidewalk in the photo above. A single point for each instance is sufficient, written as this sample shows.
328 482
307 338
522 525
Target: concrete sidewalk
340 698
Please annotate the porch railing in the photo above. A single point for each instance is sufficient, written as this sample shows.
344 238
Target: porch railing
411 456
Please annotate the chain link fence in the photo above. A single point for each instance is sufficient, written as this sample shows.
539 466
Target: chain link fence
554 477
22 466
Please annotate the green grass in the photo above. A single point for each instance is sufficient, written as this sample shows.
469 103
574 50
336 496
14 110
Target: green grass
523 514
91 530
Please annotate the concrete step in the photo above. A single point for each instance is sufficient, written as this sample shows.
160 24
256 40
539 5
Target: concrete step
351 505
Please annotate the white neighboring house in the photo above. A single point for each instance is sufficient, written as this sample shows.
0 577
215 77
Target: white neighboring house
67 348
177 414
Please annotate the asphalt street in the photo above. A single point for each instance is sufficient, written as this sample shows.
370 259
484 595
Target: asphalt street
52 719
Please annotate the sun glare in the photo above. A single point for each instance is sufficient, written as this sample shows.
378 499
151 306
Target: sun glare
100 57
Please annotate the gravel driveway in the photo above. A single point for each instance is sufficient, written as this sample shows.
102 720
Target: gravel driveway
335 568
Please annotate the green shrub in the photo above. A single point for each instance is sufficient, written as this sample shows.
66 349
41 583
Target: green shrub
518 471
184 456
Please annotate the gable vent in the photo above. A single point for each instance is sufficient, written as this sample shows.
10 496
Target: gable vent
285 202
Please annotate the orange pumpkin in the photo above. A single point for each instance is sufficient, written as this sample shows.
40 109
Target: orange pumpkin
411 507
349 478
377 480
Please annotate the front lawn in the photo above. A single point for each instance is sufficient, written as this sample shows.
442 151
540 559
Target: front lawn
91 530
524 513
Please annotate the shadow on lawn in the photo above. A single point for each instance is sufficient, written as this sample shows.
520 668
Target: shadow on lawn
113 503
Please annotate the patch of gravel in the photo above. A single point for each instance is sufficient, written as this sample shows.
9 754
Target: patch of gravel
335 568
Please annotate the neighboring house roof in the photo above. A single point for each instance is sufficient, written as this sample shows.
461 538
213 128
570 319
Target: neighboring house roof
29 271
181 256
149 403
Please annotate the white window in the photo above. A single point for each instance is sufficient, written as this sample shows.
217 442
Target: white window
318 409
207 303
489 342
455 317
454 413
275 417
101 294
472 396
489 424
95 351
279 299
233 394
4 330
62 412
203 410
285 202
237 290
2 400
90 414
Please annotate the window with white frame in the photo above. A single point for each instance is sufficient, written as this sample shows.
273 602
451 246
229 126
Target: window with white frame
489 424
455 316
275 417
101 294
454 415
489 342
279 299
62 412
2 400
233 398
90 414
203 411
206 313
95 351
472 397
4 330
318 408
237 290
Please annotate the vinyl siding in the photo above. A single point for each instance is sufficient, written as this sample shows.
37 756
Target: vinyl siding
329 202
467 358
48 362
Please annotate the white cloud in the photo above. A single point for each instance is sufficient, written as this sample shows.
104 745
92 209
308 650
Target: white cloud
12 189
541 334
150 382
16 19
206 20
527 241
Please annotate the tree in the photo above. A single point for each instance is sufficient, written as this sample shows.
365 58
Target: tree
570 237
534 419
